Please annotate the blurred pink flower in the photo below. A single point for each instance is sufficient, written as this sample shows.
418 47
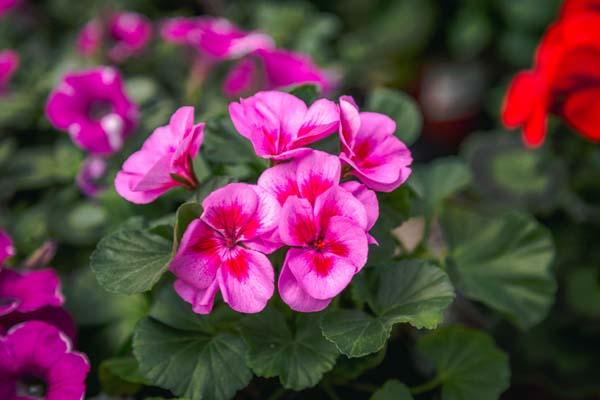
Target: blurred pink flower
125 34
9 62
164 161
268 69
7 5
216 38
94 109
28 291
376 157
222 250
90 174
329 246
40 351
279 124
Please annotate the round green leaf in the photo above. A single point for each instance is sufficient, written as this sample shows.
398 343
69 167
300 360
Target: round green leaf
401 108
503 261
392 390
130 261
468 363
411 291
194 356
299 354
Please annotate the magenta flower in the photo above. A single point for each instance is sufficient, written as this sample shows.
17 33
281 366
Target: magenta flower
215 38
125 34
94 109
90 174
329 246
279 124
268 69
376 157
223 250
28 291
164 161
36 361
369 200
7 249
7 5
9 62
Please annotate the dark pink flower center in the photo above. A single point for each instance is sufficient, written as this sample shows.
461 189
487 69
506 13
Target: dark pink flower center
32 387
99 109
319 245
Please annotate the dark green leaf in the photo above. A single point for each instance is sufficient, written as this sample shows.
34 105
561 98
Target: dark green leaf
186 213
130 261
355 333
297 353
503 261
583 291
468 363
392 390
307 92
192 355
401 108
120 376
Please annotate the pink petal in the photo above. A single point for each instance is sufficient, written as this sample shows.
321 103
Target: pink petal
268 211
320 121
9 63
339 202
51 315
178 30
280 180
246 279
233 211
349 123
297 226
347 240
316 173
202 300
7 249
32 290
181 122
321 275
89 38
240 77
367 197
294 296
67 377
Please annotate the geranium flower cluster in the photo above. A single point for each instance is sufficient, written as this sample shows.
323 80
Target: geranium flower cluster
318 206
565 79
36 356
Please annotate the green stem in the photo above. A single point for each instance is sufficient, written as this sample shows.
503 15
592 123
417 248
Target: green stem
427 386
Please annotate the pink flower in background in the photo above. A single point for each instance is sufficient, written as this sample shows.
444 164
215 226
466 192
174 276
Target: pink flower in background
125 34
279 124
90 174
379 159
7 5
164 161
94 109
9 62
223 250
28 291
7 249
216 38
36 361
329 246
268 69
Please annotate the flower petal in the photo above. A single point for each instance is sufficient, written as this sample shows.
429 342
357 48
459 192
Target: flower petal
349 123
344 238
367 197
339 202
297 226
321 120
32 289
202 300
232 210
316 173
280 180
294 296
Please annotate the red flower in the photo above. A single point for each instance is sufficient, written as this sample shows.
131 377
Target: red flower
565 79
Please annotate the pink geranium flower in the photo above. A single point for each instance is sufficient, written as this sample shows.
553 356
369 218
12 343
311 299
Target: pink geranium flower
376 157
279 124
7 249
369 200
268 69
94 109
9 62
36 361
124 33
164 161
90 174
7 5
223 250
329 246
215 38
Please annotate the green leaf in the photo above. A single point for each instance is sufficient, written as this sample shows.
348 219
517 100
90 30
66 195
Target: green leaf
348 369
130 261
297 353
502 261
412 291
194 356
186 213
439 180
392 390
307 92
468 363
583 291
120 375
223 144
401 108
